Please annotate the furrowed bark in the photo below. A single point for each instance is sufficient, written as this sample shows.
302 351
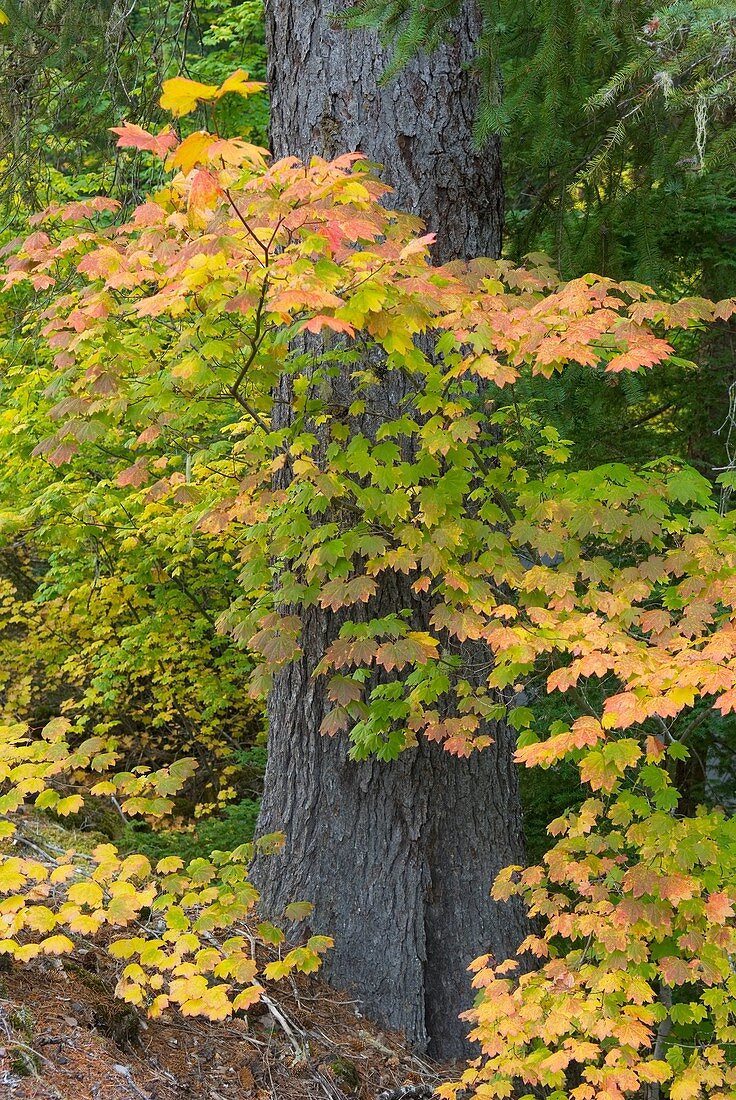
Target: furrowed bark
327 98
397 858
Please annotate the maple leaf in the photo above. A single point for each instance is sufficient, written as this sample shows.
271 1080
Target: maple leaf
279 968
247 998
335 721
719 907
343 690
488 367
204 191
125 903
57 945
323 320
102 262
270 934
181 95
655 1070
56 729
622 710
686 1085
415 648
239 83
298 910
340 593
169 865
676 888
131 136
135 475
655 749
193 150
86 893
12 876
40 918
134 866
596 771
675 971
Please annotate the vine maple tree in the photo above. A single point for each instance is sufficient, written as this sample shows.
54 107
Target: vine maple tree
179 955
169 330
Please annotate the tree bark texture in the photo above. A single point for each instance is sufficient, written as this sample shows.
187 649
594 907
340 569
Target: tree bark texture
397 858
327 98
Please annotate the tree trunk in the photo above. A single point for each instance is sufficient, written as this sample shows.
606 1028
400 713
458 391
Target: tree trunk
397 858
326 99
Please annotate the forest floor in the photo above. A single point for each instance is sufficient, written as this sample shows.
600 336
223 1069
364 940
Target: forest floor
63 1036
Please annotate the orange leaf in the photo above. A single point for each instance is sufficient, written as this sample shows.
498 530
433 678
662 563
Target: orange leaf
131 136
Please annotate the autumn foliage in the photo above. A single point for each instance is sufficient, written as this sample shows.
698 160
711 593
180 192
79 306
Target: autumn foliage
179 332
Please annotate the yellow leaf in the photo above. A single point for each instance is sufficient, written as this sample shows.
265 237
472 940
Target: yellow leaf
135 866
426 641
104 852
687 1085
158 1005
187 943
46 800
27 951
177 920
169 865
71 805
247 998
125 904
40 918
207 959
56 729
86 893
152 955
279 968
12 904
104 787
196 998
106 856
215 1004
135 973
57 945
86 924
130 992
11 876
240 83
239 969
62 873
191 151
180 96
188 989
655 1070
33 868
123 949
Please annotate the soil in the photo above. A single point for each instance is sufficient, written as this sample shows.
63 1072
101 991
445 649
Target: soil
63 1036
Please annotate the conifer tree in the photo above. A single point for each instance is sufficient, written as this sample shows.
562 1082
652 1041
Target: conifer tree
388 850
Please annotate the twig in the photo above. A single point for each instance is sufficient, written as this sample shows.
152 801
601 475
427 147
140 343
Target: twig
288 1028
30 1050
124 1071
368 1038
408 1092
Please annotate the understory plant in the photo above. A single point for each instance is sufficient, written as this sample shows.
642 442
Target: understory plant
175 334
